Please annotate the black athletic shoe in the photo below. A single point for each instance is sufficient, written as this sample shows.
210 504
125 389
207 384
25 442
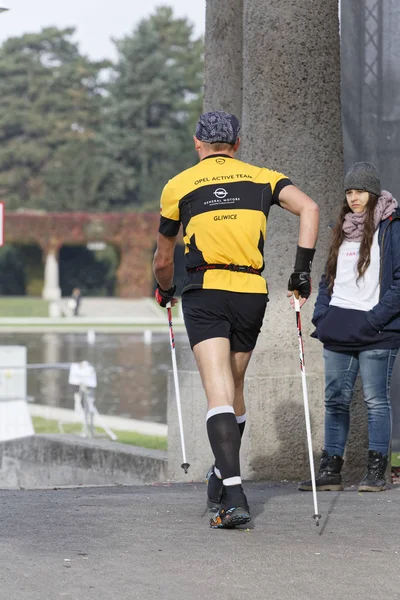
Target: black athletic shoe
234 509
215 488
230 518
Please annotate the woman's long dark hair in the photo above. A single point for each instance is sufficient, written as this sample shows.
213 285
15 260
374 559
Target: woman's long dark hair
338 237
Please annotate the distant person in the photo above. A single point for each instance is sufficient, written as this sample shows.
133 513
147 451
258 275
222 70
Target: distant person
223 205
357 316
75 301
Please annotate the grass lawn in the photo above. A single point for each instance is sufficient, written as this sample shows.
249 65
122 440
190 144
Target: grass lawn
23 306
41 425
395 459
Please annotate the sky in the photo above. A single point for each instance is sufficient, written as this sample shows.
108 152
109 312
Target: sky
96 21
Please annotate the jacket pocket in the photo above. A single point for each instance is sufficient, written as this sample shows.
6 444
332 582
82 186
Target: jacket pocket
345 326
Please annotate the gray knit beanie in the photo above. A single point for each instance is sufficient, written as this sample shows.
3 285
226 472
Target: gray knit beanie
363 176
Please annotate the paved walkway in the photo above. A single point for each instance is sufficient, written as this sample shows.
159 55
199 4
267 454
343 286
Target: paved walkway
154 543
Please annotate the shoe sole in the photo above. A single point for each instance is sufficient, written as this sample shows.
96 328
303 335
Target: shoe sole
321 488
233 521
367 488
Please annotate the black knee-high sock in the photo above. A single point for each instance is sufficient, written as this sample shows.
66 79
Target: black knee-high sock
224 436
241 422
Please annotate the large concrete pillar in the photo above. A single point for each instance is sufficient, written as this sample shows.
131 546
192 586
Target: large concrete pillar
223 75
292 123
290 110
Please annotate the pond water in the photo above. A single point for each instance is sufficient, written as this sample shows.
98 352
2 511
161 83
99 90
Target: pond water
131 376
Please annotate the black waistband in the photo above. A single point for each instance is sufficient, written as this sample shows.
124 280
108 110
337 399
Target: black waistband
236 268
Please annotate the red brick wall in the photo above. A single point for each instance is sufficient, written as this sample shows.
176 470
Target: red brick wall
132 234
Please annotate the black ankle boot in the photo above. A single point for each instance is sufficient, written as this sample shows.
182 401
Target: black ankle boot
375 479
328 478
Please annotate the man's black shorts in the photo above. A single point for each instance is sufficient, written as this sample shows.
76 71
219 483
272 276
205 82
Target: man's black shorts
218 313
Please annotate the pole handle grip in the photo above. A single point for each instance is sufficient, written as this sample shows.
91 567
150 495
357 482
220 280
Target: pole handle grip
296 294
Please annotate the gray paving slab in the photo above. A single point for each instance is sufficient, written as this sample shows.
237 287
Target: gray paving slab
154 542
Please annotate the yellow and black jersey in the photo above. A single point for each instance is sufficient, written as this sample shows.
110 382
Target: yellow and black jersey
223 205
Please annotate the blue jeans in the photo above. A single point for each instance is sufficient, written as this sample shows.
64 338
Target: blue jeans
341 369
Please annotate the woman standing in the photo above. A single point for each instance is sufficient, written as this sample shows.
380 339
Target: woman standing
357 318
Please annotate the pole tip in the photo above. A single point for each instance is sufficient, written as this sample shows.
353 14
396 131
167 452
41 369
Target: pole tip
185 467
317 518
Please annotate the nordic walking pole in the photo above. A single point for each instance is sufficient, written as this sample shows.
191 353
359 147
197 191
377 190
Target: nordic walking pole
316 515
185 465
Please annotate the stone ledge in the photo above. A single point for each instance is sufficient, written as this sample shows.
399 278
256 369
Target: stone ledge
53 460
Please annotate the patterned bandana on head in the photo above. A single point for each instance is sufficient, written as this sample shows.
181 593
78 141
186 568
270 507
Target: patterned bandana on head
218 126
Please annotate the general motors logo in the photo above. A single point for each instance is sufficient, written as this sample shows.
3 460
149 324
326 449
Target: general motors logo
220 193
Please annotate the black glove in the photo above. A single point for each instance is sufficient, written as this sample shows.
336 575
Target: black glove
164 296
300 282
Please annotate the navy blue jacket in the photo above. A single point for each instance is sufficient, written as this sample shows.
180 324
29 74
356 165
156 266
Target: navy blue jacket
355 328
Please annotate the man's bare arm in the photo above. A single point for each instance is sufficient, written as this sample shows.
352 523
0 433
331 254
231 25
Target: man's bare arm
298 203
163 262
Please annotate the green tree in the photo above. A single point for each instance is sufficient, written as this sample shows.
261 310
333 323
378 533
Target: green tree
51 100
156 97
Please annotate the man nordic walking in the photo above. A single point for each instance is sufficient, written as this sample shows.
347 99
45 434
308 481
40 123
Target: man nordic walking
223 205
